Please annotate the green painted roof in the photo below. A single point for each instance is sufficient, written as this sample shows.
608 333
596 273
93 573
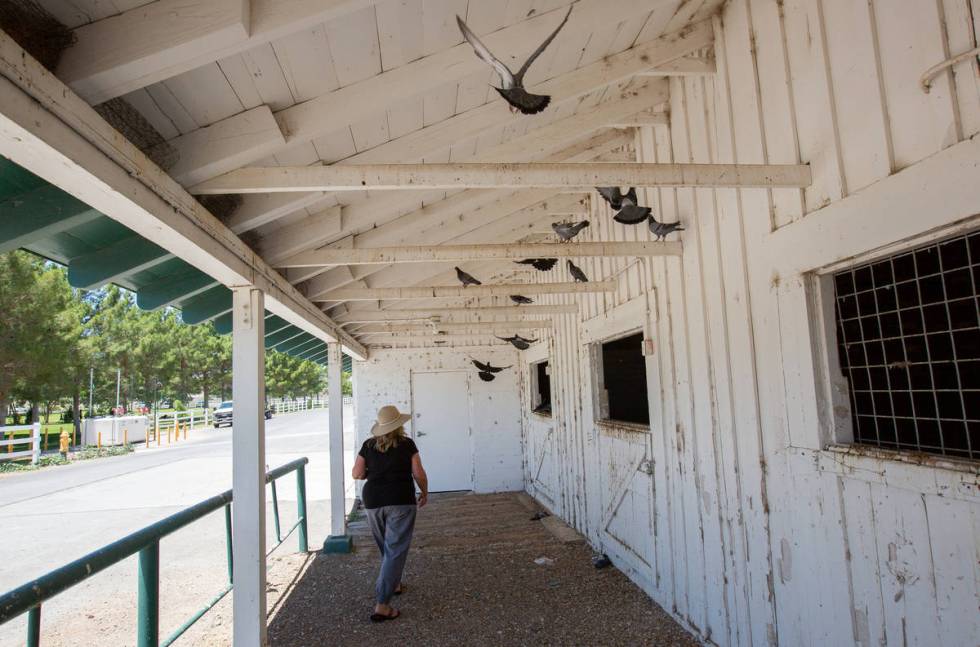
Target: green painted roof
43 219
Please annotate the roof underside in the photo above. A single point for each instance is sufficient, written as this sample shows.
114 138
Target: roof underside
362 86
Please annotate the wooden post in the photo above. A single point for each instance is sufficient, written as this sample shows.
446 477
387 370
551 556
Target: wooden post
248 467
338 541
36 443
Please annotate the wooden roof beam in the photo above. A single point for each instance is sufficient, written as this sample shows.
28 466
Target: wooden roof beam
429 314
448 292
436 328
683 66
641 119
159 40
505 251
544 175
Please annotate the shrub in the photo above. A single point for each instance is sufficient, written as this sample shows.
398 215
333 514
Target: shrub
179 405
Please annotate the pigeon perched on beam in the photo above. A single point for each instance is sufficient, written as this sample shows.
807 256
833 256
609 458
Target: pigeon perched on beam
540 264
466 279
568 230
521 299
662 229
628 211
520 343
512 85
577 272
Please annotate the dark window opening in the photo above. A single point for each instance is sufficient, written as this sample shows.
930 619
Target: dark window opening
541 391
624 380
908 340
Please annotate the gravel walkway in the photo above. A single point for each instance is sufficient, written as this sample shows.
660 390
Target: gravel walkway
471 580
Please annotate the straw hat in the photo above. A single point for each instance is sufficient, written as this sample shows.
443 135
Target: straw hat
389 419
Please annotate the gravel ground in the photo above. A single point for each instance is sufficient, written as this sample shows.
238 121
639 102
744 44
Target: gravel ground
470 580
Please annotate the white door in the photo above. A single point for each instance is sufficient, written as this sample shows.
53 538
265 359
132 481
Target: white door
441 425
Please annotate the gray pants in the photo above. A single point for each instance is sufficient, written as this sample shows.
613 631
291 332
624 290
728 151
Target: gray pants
392 527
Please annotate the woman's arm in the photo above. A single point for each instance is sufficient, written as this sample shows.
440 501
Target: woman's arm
418 473
360 469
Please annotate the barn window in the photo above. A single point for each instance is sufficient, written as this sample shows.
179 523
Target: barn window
541 388
622 377
908 341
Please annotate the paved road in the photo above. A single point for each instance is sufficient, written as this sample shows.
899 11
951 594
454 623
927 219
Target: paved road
52 516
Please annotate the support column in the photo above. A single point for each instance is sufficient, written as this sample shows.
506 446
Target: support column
338 541
248 466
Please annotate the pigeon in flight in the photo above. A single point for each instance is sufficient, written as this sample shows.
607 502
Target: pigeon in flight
466 279
518 342
662 229
488 368
540 264
568 230
628 212
512 85
521 299
577 273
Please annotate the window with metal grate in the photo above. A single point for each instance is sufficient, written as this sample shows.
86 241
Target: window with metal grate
541 388
908 340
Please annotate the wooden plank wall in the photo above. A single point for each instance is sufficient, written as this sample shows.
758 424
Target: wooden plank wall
747 530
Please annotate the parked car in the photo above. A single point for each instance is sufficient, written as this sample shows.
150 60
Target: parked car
222 415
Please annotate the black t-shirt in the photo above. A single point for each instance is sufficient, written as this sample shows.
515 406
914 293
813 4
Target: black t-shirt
389 474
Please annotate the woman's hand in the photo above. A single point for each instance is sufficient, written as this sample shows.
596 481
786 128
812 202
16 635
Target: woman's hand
423 499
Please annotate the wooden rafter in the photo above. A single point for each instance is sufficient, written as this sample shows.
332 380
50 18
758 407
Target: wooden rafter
447 253
448 292
545 175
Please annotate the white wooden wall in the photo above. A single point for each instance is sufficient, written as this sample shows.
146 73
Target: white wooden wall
495 417
750 530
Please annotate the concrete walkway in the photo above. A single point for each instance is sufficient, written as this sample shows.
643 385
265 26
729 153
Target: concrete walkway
471 579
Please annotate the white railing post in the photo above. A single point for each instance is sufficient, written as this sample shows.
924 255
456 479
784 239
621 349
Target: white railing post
192 420
36 442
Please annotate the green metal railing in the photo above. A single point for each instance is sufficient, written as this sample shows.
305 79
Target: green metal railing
146 542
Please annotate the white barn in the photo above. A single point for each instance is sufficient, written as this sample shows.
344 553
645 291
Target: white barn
769 421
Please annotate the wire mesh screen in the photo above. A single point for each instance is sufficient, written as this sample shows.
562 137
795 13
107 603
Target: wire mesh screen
909 345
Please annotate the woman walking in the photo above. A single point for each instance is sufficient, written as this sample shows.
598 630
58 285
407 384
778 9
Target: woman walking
389 460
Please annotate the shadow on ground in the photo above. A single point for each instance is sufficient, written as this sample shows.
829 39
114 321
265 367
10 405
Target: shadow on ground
471 580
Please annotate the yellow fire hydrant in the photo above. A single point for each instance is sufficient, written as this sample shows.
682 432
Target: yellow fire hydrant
64 440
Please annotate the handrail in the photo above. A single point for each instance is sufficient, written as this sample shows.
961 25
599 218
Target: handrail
30 596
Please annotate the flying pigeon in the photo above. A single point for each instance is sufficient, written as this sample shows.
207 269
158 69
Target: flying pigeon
512 85
662 229
521 299
519 342
486 377
488 368
628 211
577 272
568 230
466 279
540 264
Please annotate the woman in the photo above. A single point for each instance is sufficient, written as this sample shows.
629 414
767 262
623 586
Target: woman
389 460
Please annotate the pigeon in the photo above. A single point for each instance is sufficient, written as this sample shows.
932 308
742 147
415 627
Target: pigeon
601 561
568 230
466 279
488 368
540 264
519 342
486 377
521 299
512 85
662 229
628 212
577 273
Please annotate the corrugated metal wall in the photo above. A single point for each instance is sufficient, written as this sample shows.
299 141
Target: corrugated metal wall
747 529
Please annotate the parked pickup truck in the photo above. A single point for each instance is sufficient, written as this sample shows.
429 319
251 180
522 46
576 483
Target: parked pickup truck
222 415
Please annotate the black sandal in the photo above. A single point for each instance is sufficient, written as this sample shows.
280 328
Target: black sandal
380 617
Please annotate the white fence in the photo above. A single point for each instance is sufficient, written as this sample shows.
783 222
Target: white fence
8 442
283 405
